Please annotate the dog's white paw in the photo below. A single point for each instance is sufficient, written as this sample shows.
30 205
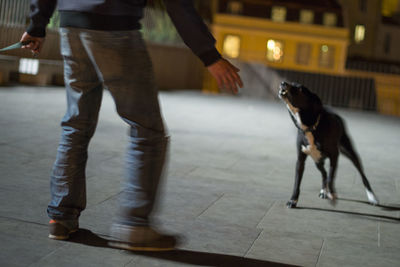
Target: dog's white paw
372 198
323 194
291 204
312 151
332 197
305 149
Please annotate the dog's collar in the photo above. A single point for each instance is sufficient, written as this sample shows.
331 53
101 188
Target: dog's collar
314 127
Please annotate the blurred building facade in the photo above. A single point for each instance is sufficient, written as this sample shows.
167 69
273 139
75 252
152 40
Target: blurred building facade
374 25
343 50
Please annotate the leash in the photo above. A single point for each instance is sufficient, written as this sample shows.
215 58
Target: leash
15 46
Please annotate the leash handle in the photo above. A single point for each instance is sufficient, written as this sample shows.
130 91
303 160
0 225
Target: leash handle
16 45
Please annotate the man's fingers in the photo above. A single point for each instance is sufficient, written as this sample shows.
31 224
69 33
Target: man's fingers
227 80
232 66
230 83
235 76
34 44
234 79
236 69
226 75
27 46
237 79
219 82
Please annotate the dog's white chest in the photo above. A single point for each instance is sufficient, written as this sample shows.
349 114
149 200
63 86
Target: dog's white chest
311 149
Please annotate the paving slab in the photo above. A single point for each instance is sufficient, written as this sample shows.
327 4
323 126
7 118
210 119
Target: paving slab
287 247
81 254
335 252
322 222
207 236
25 205
185 203
389 235
23 243
237 210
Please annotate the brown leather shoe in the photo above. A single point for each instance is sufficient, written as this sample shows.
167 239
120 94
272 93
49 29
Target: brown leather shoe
141 238
60 230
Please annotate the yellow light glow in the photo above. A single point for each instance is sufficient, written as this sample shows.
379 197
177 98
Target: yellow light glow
359 33
274 50
271 44
231 46
326 56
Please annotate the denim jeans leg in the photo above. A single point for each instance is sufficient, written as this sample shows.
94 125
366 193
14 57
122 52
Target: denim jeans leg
127 71
84 94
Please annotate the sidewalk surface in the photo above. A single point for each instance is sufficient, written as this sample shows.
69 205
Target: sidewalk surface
231 171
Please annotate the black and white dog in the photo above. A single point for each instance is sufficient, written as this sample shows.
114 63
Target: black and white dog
321 134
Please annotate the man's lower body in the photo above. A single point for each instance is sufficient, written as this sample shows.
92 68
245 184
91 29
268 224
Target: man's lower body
119 61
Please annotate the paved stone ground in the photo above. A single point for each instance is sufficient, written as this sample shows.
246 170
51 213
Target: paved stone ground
230 173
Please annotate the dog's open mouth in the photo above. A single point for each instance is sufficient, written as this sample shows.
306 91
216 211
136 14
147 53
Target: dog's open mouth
283 90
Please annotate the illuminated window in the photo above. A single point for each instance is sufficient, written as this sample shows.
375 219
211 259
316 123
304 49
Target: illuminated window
359 33
306 16
274 50
29 66
231 46
235 7
303 53
326 56
330 19
278 13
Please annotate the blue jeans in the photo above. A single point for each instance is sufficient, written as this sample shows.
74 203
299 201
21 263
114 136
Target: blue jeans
119 61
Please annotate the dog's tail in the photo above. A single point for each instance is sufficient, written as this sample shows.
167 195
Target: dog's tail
346 147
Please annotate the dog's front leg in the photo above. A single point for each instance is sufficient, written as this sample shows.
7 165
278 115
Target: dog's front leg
301 158
331 177
324 191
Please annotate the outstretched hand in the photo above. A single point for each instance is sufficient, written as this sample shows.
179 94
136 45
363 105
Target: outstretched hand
35 43
226 75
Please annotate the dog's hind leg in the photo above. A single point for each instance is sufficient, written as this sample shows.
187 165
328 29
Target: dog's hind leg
324 192
333 159
346 147
301 158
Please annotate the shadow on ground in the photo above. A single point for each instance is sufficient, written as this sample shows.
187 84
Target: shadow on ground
368 215
86 237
